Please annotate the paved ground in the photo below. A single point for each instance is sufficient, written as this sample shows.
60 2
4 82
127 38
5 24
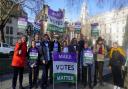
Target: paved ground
5 83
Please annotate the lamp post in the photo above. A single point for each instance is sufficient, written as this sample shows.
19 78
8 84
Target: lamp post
29 32
43 22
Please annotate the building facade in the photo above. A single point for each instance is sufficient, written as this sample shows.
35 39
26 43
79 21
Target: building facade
85 20
112 25
11 30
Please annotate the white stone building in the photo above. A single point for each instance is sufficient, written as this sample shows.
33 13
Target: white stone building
11 30
84 18
112 25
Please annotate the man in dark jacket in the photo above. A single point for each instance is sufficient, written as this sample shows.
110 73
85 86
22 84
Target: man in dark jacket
80 48
73 47
55 46
47 62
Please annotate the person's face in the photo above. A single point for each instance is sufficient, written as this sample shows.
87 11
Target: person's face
33 43
55 39
65 44
36 37
115 45
23 39
100 42
75 41
45 38
85 45
19 41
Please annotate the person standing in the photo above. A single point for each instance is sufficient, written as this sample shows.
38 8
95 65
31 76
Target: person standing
126 73
87 64
100 50
33 64
65 47
73 47
96 64
117 60
80 47
18 61
55 46
38 44
47 62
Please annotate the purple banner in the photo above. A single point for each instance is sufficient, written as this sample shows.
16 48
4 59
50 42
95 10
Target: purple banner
68 57
78 25
56 14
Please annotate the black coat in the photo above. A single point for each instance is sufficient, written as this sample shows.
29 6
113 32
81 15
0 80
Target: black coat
52 46
81 45
72 49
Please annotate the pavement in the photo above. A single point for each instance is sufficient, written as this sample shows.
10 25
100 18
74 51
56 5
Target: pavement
6 80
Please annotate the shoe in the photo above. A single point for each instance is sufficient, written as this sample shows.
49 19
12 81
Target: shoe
35 86
21 87
43 87
51 82
97 85
30 87
90 87
94 84
13 88
85 85
102 84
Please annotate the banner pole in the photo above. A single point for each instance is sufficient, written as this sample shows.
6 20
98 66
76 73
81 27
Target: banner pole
53 82
53 76
76 78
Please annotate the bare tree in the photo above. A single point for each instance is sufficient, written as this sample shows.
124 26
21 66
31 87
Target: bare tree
9 8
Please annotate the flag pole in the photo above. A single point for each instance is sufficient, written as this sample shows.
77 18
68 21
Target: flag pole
53 75
76 77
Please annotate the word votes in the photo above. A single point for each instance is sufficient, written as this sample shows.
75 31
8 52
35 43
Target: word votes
65 67
66 56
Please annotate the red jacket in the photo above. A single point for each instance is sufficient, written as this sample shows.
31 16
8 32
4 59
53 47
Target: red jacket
19 60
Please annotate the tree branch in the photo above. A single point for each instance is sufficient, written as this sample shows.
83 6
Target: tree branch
5 19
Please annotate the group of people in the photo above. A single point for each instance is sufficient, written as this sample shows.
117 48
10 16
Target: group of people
39 54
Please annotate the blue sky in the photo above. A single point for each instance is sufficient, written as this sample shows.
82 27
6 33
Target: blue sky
74 13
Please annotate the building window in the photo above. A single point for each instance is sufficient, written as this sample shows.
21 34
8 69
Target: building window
7 30
11 40
11 30
7 39
10 20
5 45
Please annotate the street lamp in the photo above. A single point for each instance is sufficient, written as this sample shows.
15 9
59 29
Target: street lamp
29 30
